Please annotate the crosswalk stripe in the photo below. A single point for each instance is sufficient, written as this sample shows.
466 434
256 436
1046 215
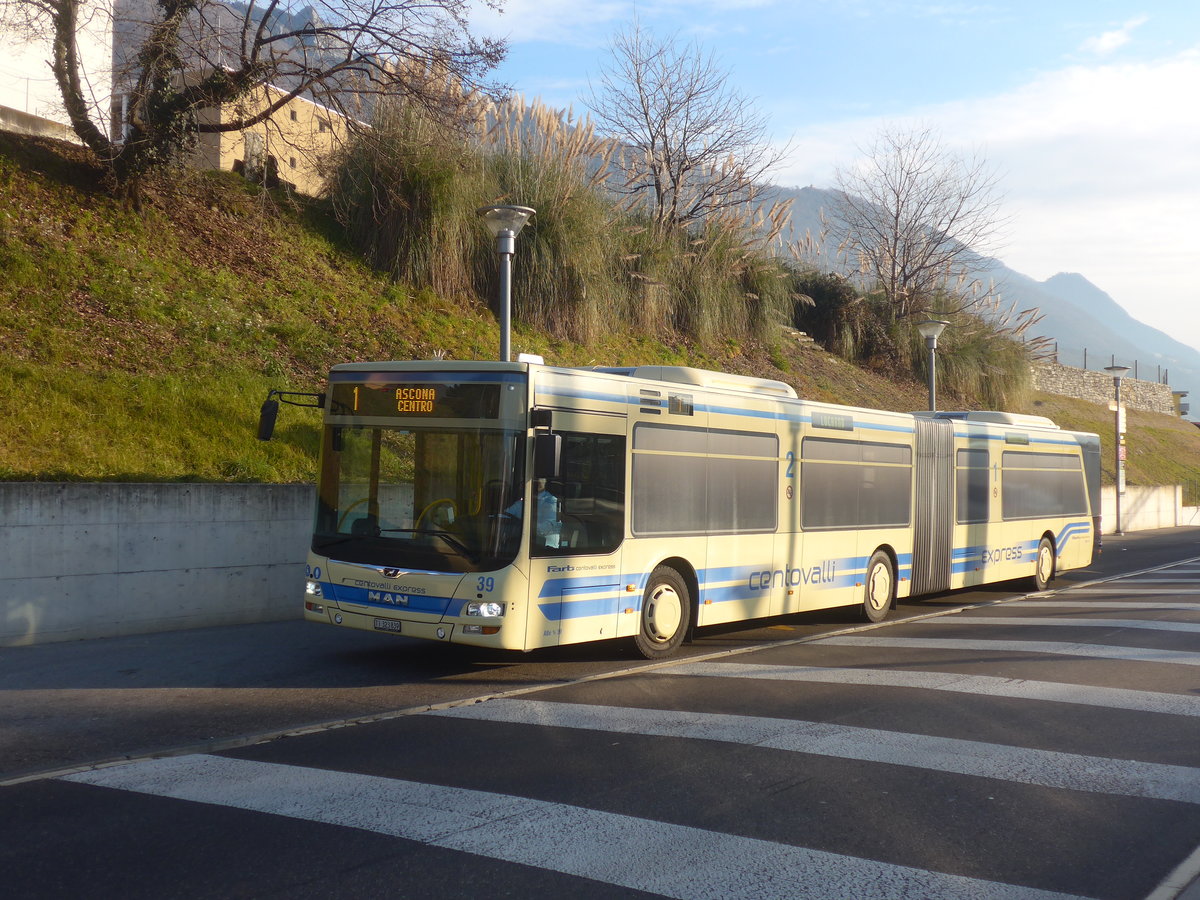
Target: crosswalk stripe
1126 591
1107 604
984 685
1045 768
1147 624
1097 651
1169 575
1186 571
640 854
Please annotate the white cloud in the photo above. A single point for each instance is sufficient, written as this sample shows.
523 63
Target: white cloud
1106 43
1101 167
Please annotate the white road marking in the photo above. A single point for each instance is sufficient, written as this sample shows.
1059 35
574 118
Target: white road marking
1130 590
1148 624
1097 651
1132 606
985 685
640 854
1046 768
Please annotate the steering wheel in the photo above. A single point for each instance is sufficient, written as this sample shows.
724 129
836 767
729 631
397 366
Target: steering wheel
349 509
436 503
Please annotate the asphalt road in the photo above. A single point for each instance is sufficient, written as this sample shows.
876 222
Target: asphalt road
1044 747
76 703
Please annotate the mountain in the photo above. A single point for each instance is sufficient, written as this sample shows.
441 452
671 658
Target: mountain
1076 314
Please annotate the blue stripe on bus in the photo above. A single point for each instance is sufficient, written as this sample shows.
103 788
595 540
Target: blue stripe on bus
724 573
968 559
587 395
1033 439
581 609
785 415
421 603
781 415
1072 530
553 587
776 414
726 584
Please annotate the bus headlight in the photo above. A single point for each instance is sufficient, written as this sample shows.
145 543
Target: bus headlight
312 588
489 609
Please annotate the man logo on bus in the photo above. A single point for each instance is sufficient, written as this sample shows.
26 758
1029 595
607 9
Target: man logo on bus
387 597
767 579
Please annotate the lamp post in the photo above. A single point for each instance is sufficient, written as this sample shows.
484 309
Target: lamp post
931 330
1117 373
505 223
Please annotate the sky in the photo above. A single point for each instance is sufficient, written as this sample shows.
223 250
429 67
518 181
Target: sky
1088 110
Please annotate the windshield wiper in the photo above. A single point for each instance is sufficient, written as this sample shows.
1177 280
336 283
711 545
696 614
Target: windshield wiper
327 542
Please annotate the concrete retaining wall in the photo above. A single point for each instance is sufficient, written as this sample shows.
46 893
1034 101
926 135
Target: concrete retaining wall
99 560
1145 508
25 123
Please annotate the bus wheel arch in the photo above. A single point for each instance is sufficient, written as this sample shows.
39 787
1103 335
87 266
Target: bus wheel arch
879 585
1045 564
668 610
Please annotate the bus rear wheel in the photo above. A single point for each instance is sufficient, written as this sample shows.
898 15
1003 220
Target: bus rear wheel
666 614
1043 570
880 588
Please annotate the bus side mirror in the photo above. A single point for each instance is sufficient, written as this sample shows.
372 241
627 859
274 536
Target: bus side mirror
266 418
547 450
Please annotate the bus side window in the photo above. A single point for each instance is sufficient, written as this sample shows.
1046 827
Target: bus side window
591 494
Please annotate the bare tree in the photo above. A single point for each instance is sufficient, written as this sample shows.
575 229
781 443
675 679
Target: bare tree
188 56
917 217
693 146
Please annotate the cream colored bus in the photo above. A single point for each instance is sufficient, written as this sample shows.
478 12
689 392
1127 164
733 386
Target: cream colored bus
518 505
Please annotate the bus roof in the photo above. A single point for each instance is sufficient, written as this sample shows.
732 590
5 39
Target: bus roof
702 378
994 417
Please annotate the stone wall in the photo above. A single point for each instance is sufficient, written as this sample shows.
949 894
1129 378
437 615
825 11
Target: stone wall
1097 387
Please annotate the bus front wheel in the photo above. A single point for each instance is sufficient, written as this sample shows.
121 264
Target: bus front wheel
666 614
1043 570
880 588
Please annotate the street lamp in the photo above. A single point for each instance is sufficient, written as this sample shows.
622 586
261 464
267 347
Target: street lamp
931 330
505 223
1117 373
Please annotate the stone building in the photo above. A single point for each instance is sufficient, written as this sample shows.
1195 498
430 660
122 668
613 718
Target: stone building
289 148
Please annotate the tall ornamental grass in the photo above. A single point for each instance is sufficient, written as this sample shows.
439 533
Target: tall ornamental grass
584 267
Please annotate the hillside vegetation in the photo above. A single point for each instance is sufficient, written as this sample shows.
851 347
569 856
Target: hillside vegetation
138 345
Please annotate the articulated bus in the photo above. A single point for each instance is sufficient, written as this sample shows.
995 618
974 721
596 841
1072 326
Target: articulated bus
518 505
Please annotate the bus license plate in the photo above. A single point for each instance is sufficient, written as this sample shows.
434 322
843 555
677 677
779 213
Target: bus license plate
387 625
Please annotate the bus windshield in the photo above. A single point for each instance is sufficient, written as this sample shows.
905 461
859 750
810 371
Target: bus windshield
442 500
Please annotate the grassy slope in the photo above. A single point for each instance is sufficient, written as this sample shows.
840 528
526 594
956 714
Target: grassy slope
138 345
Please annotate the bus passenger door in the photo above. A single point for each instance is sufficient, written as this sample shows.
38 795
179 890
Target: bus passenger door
933 497
576 562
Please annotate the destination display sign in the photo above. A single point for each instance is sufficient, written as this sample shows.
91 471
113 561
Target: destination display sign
429 400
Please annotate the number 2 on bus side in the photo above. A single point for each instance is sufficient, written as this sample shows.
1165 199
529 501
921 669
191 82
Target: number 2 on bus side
790 472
